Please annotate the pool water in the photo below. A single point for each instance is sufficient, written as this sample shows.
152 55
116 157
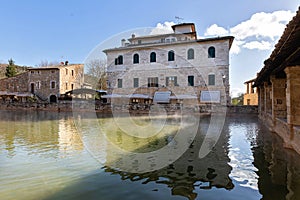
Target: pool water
47 155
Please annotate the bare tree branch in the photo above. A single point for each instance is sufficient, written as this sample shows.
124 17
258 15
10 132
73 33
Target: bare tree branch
96 72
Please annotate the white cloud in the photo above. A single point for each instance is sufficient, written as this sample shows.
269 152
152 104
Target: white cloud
260 45
164 28
259 32
235 92
269 25
215 30
235 48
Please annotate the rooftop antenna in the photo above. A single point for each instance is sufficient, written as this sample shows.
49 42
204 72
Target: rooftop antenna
178 20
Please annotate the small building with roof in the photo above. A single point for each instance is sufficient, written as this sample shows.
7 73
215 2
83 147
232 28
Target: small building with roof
251 96
44 83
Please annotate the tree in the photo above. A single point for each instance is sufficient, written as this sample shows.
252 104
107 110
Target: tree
46 63
239 100
11 69
96 71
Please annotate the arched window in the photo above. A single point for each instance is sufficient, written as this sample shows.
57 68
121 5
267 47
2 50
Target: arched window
153 57
136 58
171 56
190 54
120 60
211 52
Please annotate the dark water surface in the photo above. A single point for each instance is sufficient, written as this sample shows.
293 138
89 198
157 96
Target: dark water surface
62 156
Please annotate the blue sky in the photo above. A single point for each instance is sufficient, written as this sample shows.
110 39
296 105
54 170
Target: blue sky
33 31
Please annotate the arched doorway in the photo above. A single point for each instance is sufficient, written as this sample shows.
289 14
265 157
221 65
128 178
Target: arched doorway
53 99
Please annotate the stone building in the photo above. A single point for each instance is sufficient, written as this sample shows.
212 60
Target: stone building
46 83
251 96
278 86
171 67
15 88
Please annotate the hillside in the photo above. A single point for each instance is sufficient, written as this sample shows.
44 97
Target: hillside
20 69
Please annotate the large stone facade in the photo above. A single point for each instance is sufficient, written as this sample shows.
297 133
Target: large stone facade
278 86
177 62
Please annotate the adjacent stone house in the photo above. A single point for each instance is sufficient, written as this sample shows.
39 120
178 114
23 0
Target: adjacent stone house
170 67
15 88
278 86
46 83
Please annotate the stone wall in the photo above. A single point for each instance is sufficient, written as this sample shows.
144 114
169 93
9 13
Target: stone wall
92 106
251 99
247 109
18 83
41 79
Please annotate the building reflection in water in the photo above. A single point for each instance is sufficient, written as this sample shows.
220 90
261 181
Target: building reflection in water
34 131
189 171
279 168
39 133
68 138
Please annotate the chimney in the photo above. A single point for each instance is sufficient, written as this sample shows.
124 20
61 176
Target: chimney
123 41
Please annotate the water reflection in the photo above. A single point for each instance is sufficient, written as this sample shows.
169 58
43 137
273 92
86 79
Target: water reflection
279 169
189 171
44 157
242 138
38 153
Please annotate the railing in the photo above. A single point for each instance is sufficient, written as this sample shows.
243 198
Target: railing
39 96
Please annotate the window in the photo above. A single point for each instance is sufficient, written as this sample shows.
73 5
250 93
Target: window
120 83
211 79
171 81
52 85
153 57
119 60
153 82
190 54
190 80
211 52
171 56
139 41
32 72
38 85
72 86
66 71
135 82
66 86
72 72
135 58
